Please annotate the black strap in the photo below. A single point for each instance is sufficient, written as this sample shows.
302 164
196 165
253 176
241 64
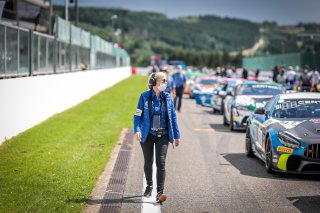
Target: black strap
165 103
150 105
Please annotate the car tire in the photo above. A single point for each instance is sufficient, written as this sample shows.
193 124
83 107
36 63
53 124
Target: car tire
222 110
249 150
225 122
231 121
269 156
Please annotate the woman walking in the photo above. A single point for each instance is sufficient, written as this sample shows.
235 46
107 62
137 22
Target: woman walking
155 125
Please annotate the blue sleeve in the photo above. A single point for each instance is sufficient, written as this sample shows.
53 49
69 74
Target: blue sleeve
138 115
175 127
173 85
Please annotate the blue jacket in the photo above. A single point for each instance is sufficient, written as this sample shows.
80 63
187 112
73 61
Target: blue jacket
142 120
179 79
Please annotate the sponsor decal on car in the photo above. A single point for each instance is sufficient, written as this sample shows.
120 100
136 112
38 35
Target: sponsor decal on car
290 124
284 149
295 104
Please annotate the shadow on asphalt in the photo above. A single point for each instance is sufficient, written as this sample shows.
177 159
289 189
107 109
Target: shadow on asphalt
306 203
224 128
256 168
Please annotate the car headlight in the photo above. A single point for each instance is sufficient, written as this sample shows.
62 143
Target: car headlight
289 140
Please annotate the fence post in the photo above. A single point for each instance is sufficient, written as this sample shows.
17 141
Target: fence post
55 53
18 51
70 48
31 53
5 50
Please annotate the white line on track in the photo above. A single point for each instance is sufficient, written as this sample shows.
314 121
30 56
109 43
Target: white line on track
150 204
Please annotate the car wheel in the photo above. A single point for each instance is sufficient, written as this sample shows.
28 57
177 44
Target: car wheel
269 156
222 110
231 121
225 122
249 151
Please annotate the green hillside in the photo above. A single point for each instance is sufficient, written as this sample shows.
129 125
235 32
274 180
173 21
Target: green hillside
201 41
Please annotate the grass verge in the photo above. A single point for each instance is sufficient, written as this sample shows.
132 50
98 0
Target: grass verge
54 166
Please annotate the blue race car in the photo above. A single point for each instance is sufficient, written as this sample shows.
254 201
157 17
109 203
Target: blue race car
203 90
285 133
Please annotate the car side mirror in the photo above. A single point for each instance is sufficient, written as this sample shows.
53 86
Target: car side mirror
259 111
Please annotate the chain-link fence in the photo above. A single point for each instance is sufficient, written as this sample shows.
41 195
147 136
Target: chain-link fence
26 53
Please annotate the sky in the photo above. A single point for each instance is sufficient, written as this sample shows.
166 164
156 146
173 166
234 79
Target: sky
284 12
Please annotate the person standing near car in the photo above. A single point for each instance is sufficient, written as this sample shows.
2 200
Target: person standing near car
304 80
244 73
171 87
180 81
314 74
155 125
291 77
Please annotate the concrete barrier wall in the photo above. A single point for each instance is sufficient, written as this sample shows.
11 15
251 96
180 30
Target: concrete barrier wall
25 102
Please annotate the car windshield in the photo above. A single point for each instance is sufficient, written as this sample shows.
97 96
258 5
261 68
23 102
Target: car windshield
256 89
298 108
208 81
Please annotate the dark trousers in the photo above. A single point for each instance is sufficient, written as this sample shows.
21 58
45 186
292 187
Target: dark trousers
161 145
179 94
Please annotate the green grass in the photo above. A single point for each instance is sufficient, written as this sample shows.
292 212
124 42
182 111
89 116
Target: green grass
54 166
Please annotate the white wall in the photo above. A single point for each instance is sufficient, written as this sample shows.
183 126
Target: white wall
25 102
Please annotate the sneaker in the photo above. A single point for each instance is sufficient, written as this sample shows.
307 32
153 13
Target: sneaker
148 191
161 197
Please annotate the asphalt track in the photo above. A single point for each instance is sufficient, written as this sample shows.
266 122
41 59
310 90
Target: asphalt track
209 172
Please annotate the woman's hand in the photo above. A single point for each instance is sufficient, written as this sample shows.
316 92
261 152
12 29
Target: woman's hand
176 142
138 136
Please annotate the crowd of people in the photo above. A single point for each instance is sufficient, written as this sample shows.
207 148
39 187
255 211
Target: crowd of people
306 81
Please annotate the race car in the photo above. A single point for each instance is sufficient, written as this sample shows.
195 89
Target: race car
285 133
221 92
203 90
244 99
191 76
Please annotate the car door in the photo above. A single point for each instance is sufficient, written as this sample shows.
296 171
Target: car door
228 101
259 127
221 96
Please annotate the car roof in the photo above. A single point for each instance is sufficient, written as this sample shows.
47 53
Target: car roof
300 95
261 83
